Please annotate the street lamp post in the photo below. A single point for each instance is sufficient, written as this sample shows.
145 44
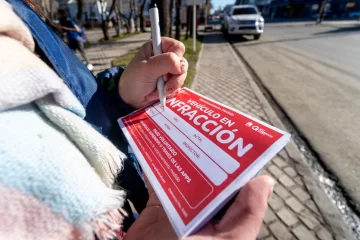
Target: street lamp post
194 3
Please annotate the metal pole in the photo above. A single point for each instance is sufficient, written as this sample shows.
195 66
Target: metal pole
194 28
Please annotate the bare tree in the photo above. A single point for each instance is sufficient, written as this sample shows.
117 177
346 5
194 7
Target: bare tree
113 16
80 5
178 20
123 17
163 6
206 11
112 8
136 11
141 15
131 17
188 21
171 10
117 23
104 22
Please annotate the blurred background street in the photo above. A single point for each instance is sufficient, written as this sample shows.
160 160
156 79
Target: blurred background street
293 63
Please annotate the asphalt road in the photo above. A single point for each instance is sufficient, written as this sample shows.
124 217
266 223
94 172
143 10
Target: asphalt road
314 74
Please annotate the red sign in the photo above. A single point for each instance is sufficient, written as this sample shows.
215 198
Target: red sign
197 149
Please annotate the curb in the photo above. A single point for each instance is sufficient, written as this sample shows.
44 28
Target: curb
194 82
329 211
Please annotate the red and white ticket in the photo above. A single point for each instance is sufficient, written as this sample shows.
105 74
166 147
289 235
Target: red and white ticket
197 153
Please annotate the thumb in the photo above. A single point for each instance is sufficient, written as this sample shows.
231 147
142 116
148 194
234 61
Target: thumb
244 217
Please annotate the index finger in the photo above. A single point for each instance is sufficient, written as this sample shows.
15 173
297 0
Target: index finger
153 199
172 45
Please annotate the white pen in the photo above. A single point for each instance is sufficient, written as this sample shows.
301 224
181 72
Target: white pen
156 41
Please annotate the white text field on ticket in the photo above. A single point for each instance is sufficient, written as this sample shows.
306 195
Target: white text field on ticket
224 160
201 160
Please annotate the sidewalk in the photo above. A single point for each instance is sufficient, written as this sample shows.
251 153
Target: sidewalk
101 54
292 212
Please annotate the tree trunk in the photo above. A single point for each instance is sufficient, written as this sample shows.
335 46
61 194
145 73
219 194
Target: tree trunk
171 11
321 12
178 20
122 17
105 29
136 10
141 15
79 12
188 22
104 23
163 7
117 22
127 23
131 17
206 11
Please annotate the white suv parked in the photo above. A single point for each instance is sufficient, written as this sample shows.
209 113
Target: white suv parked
243 20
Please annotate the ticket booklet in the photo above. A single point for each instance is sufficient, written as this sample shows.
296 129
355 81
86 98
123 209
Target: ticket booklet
197 153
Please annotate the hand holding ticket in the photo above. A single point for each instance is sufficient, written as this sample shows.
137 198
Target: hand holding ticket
197 153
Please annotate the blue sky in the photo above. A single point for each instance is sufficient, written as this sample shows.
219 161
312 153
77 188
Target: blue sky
222 3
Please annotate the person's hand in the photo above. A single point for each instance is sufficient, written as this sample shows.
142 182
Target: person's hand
137 85
242 220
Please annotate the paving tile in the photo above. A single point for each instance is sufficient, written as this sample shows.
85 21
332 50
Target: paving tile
275 170
301 194
281 191
270 238
311 205
299 181
294 204
287 216
279 162
275 202
280 231
290 171
309 219
286 181
264 232
302 233
267 173
269 216
324 234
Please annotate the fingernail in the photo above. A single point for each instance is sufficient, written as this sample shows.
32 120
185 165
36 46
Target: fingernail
271 182
175 93
182 64
170 90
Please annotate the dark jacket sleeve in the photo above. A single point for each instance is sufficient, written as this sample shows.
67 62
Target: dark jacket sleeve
109 80
129 178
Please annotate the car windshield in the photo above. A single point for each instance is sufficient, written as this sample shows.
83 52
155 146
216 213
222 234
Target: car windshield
243 11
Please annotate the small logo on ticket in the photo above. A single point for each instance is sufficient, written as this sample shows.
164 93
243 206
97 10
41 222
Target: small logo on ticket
249 124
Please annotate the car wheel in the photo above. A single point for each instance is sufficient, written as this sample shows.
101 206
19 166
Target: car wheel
257 36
